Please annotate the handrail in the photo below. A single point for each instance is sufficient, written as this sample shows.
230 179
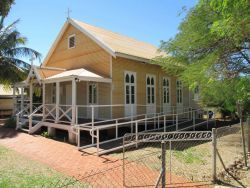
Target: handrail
38 108
135 116
130 122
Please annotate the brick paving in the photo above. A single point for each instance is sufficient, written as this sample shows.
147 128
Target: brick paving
65 158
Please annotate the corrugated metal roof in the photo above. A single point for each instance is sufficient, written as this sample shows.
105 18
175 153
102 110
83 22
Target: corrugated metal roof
120 43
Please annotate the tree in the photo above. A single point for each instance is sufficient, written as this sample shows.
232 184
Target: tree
211 50
12 68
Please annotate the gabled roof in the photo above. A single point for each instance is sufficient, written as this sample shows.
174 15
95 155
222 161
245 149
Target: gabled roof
42 73
113 43
81 74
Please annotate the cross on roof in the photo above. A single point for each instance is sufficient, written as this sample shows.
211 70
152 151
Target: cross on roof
68 13
33 57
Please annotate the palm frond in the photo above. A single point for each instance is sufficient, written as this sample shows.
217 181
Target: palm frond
23 52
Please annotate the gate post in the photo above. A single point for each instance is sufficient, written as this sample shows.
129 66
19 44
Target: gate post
214 149
248 134
163 163
243 142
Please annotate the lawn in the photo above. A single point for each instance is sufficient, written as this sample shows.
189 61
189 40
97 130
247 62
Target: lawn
19 171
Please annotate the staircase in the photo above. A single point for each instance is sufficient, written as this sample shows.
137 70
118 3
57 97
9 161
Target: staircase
25 122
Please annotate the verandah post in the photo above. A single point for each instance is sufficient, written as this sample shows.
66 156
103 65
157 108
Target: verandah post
31 96
31 104
22 99
73 120
14 101
58 101
214 153
92 121
43 100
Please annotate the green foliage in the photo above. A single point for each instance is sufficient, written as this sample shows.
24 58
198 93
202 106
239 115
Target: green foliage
45 134
5 6
211 50
12 49
10 123
190 155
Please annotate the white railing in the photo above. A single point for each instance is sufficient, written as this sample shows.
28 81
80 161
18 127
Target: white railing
157 119
36 113
65 113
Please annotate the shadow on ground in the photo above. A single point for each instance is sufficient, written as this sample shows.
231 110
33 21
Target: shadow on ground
7 132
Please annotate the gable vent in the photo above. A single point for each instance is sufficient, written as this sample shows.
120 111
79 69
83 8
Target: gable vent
71 41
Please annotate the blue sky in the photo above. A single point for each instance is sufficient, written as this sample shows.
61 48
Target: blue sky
147 20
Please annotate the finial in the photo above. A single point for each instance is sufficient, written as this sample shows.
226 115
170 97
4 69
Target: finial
33 57
68 13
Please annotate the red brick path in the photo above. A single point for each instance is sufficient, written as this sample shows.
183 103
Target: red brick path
67 159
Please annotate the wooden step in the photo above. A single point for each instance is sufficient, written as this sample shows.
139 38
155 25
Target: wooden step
25 130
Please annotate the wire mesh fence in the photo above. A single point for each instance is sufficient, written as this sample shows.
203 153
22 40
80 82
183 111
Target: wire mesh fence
185 154
233 154
173 159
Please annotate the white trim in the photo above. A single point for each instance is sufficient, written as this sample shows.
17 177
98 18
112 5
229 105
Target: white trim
81 78
111 100
97 93
150 76
97 40
110 66
36 74
111 86
169 87
130 84
70 36
52 68
58 38
127 56
177 92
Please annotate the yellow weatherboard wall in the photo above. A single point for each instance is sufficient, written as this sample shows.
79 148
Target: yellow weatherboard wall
86 54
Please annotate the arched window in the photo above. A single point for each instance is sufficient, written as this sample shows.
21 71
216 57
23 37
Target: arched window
179 91
150 89
166 91
130 88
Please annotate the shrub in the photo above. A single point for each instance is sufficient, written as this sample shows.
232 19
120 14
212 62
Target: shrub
45 134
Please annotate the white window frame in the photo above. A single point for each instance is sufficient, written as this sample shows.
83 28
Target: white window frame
97 93
167 88
130 84
150 86
73 35
178 93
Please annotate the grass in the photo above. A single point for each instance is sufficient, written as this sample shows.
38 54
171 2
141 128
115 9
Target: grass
190 156
18 171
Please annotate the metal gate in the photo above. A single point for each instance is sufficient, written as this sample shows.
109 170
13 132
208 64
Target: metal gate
171 158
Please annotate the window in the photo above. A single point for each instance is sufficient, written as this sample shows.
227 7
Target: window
179 91
71 41
166 91
92 96
150 82
130 81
